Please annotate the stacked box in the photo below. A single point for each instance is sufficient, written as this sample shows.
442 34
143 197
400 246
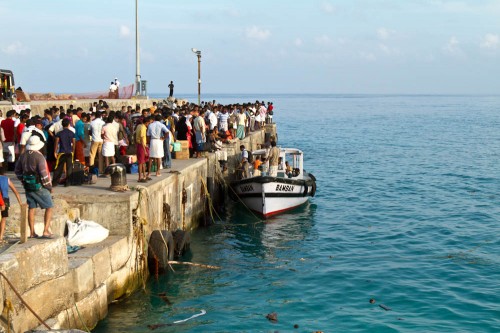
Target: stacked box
184 153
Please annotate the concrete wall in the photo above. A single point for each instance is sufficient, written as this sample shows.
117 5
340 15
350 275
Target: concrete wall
61 287
38 107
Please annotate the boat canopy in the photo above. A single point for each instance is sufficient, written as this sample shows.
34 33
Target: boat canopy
287 151
293 156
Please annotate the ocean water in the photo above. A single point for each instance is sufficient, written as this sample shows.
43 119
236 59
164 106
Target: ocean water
407 213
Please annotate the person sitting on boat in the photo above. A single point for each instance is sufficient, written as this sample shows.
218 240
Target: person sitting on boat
243 167
288 169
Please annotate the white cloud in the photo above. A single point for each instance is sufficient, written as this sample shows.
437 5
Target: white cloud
452 47
257 33
16 48
327 7
490 42
323 40
125 31
298 42
384 33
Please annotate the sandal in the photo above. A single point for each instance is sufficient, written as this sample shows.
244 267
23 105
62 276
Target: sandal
149 178
46 236
34 236
143 180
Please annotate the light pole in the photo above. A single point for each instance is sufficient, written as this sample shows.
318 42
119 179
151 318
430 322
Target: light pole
137 59
198 54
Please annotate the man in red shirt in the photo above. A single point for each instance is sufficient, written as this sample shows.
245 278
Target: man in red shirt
20 128
7 126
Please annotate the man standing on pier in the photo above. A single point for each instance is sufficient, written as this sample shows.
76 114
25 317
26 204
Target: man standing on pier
171 87
156 132
32 171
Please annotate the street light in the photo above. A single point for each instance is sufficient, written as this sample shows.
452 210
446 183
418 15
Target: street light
198 54
137 59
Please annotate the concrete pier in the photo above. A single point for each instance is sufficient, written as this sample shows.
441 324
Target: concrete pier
73 291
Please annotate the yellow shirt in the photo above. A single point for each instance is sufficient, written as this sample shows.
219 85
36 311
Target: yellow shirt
140 134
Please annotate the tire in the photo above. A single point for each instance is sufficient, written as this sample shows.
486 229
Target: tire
182 242
158 251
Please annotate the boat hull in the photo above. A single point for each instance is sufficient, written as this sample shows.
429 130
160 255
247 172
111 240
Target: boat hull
273 195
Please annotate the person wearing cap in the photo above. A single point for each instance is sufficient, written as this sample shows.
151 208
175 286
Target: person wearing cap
32 171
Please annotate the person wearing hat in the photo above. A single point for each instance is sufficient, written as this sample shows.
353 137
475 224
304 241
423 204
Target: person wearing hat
32 171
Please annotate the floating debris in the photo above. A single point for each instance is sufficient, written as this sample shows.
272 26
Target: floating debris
273 316
193 316
155 326
164 297
385 307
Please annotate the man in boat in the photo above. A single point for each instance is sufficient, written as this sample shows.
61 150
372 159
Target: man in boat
274 155
243 162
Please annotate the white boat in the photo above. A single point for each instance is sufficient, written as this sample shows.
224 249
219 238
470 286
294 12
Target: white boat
268 195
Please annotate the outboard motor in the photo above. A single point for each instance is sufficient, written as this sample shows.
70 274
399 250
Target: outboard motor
118 174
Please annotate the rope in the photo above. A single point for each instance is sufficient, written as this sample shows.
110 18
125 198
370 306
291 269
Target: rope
24 302
80 316
119 188
210 202
239 199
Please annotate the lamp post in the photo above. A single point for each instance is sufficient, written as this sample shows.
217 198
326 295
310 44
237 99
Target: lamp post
137 59
198 54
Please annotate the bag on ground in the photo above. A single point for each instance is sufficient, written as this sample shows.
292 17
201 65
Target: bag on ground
82 232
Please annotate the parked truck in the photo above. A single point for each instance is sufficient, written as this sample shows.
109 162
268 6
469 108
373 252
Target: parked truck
7 86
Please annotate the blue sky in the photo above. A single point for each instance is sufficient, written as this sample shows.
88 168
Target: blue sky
273 46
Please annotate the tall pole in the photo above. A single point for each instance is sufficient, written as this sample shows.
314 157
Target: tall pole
137 59
199 76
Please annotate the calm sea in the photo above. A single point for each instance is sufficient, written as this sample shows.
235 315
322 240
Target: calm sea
407 213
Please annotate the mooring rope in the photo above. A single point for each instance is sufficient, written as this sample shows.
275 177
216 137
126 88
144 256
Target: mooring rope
210 202
259 220
24 302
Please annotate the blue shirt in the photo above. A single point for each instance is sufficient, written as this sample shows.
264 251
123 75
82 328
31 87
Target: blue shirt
79 130
4 186
156 130
66 137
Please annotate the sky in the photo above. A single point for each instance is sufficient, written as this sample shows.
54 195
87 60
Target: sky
258 46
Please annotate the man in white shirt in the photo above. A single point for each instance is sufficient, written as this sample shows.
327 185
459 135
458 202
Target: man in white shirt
112 90
36 126
212 118
57 126
96 137
117 84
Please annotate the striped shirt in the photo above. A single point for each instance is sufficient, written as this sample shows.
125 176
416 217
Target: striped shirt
33 162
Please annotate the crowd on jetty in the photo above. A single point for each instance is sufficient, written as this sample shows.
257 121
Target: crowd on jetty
77 144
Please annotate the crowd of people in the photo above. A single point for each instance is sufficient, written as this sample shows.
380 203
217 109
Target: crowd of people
36 145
